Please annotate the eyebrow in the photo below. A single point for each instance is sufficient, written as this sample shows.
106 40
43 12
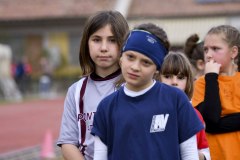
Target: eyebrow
148 60
98 36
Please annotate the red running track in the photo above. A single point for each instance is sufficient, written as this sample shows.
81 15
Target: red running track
24 124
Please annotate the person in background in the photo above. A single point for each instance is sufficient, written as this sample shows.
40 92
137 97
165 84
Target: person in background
100 48
144 118
45 80
216 94
194 51
27 75
20 76
8 87
176 71
22 73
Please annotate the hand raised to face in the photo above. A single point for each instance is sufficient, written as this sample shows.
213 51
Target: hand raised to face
212 67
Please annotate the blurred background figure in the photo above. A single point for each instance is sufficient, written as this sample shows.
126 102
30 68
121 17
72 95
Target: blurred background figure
22 75
7 84
27 75
194 50
45 80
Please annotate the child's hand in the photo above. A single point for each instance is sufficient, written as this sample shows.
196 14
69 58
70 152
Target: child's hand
212 67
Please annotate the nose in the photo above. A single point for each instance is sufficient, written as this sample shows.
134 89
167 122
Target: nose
174 81
208 55
104 46
135 66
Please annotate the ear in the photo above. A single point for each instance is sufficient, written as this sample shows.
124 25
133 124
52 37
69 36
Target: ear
200 65
120 61
234 52
156 75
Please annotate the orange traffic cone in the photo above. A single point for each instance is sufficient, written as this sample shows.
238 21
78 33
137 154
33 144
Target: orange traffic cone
47 151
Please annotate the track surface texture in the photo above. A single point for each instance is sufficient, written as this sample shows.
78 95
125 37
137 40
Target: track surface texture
25 124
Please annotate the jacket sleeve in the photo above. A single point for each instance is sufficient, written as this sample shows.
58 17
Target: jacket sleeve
211 110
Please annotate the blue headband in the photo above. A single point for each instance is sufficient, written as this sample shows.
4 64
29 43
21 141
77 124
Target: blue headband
147 44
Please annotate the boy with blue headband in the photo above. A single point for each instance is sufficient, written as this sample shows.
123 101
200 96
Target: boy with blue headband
145 119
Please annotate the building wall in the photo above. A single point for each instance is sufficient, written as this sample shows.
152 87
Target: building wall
178 29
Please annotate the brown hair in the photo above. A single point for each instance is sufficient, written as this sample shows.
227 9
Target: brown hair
176 63
193 49
119 28
231 37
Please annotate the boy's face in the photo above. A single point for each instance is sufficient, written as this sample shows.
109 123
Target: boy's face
137 69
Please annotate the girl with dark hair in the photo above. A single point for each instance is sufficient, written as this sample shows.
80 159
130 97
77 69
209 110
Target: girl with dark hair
99 55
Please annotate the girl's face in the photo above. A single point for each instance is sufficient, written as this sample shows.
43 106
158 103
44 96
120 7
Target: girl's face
178 81
218 50
137 69
104 51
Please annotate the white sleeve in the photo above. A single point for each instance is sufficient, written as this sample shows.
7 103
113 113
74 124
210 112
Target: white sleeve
206 153
100 149
69 132
188 149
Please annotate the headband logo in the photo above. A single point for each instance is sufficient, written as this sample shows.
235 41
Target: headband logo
151 39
